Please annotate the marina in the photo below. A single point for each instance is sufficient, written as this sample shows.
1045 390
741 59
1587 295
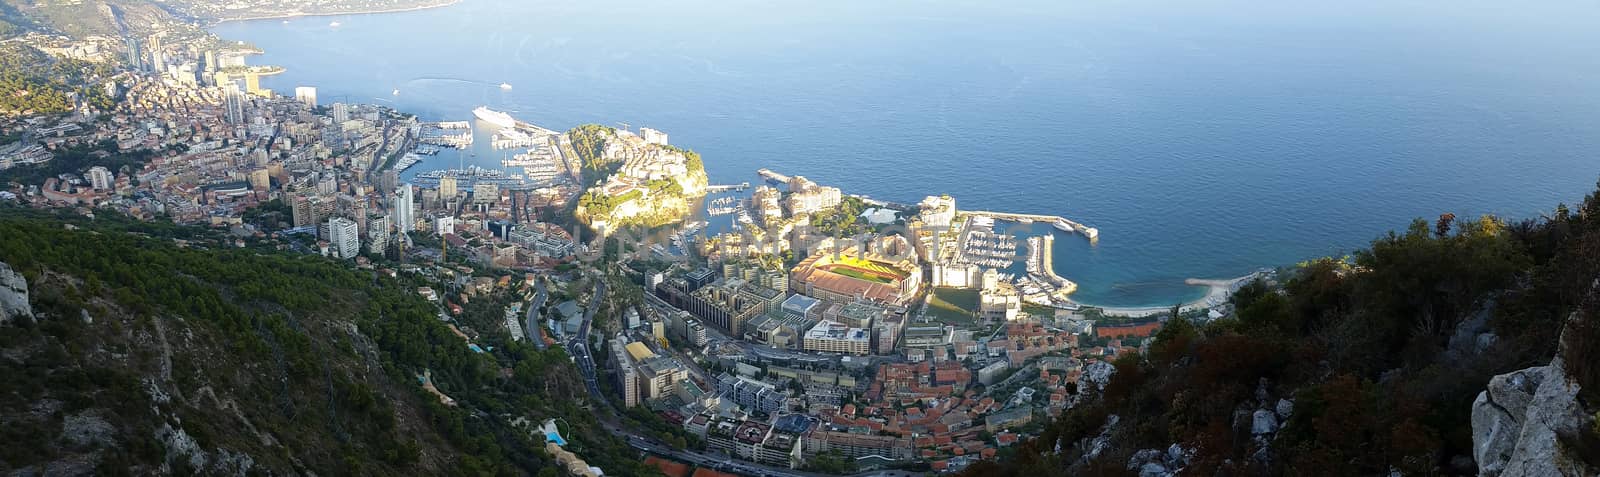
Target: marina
1060 223
509 138
1048 288
406 161
445 135
472 176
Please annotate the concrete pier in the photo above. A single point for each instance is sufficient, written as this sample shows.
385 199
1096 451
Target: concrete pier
740 187
773 177
1060 223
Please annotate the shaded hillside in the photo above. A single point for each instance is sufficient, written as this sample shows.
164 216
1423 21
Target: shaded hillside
1363 366
157 349
80 19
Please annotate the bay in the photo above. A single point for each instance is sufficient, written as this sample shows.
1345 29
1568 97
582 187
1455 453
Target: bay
1204 139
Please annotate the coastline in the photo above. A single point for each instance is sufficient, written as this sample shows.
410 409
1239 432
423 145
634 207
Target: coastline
1218 291
443 4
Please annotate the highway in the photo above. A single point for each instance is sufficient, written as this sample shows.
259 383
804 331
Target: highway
578 346
532 328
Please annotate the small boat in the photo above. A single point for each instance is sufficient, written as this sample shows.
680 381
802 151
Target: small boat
286 22
505 85
396 92
334 25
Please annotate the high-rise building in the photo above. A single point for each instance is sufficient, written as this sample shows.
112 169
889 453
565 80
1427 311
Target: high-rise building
341 113
387 181
100 178
344 237
306 95
252 83
233 103
627 379
310 210
211 61
447 188
377 233
135 57
444 224
158 61
404 209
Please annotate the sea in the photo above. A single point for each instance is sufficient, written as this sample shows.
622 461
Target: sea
1204 139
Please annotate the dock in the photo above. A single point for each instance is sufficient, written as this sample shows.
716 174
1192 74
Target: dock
713 189
773 177
1061 223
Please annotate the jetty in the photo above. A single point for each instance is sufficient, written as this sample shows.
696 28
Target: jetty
773 177
1060 223
713 189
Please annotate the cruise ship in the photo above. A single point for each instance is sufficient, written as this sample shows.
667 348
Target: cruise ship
494 117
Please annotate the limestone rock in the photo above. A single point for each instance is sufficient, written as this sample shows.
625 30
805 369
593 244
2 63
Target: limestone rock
13 295
1263 422
1284 409
1098 374
1154 470
180 445
1517 422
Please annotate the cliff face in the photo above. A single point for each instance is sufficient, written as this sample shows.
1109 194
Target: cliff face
1529 422
13 295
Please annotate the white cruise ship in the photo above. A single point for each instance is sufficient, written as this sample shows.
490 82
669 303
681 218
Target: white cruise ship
494 117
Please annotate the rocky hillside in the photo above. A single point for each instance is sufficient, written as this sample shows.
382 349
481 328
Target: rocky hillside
79 19
632 182
137 349
1432 352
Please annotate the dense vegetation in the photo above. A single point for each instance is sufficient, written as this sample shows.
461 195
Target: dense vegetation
589 141
77 159
299 362
31 81
1379 352
842 221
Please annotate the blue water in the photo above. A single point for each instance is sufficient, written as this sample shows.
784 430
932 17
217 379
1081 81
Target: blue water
1204 139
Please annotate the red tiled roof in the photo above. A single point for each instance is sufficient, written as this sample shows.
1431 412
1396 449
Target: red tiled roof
668 467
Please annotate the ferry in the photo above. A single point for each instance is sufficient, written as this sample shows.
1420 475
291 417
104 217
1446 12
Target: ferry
494 117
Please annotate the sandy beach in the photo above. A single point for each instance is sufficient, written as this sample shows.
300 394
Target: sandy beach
1217 292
